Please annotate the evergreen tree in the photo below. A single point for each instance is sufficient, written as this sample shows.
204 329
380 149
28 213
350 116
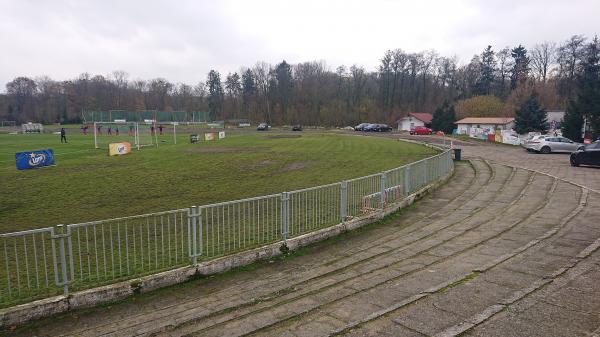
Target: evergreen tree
444 118
587 86
283 85
531 117
215 94
520 68
248 90
233 85
572 124
487 70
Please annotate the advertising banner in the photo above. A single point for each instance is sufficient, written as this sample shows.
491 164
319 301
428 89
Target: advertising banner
117 149
34 159
221 134
498 137
209 136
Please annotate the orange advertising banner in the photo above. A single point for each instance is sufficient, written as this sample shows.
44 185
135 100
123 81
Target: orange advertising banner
117 149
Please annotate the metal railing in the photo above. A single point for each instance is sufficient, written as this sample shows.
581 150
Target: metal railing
49 261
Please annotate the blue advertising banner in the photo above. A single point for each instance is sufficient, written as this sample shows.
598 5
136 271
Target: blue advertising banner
34 159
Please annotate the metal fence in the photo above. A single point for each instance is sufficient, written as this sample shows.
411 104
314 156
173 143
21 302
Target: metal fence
49 261
141 115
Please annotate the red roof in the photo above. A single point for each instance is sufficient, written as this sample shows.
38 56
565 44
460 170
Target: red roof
424 117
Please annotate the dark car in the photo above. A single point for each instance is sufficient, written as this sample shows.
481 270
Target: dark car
297 127
263 127
588 155
383 128
360 127
370 127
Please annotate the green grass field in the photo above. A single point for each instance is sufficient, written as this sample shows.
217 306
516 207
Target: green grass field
86 184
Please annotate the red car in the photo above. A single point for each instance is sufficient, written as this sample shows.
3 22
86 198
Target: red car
421 130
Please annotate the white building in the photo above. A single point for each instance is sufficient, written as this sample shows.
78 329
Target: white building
413 120
465 125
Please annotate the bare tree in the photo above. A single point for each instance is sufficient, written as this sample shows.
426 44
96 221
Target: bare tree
119 78
504 61
543 56
262 75
569 54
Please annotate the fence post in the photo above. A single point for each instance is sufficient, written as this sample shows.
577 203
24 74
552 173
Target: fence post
64 275
199 209
284 215
382 200
344 200
192 240
407 186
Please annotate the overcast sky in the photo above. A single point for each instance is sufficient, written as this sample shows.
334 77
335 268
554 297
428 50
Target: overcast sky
182 40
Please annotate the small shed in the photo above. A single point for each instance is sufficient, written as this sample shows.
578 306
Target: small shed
413 120
465 125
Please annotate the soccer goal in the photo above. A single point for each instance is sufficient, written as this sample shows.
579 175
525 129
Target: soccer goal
32 128
166 132
135 133
9 126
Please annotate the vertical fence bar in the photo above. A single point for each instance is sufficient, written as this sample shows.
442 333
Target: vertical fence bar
382 181
343 200
408 179
200 237
194 238
284 214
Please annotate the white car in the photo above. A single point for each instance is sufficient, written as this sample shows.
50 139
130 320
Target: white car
548 144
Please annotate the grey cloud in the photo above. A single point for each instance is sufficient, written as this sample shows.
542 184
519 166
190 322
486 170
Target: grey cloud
183 40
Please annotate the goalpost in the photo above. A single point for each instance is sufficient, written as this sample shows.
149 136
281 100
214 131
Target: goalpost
32 128
138 134
8 126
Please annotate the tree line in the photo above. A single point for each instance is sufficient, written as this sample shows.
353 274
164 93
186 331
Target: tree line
494 82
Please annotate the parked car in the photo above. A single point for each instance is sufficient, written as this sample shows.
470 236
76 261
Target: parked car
297 127
360 127
383 128
420 130
550 144
370 127
529 142
588 155
263 127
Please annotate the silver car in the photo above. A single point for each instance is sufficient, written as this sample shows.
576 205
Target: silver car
550 144
529 142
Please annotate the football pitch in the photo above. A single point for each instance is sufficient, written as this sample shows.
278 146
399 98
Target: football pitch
86 184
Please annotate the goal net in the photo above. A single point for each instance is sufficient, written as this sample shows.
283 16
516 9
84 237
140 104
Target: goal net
167 132
136 134
147 133
32 128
